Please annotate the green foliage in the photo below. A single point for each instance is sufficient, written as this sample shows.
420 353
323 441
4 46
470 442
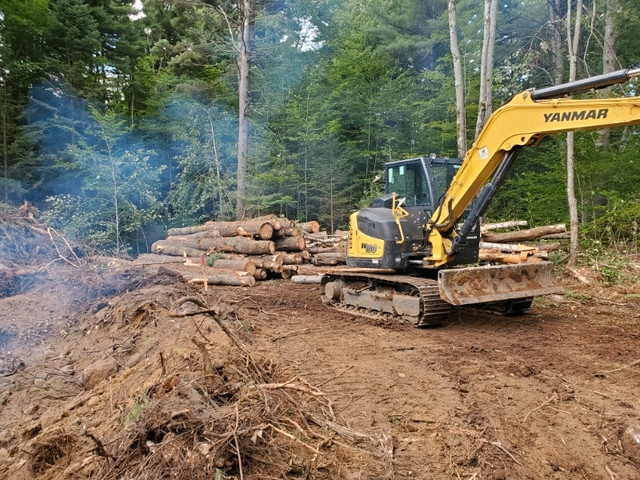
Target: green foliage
338 89
116 190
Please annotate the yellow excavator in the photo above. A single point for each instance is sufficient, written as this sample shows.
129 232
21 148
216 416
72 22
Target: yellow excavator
411 249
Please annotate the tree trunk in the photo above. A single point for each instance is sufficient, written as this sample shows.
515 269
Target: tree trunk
556 41
573 41
244 103
461 113
485 101
608 59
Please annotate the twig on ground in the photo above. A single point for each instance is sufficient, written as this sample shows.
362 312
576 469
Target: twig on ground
548 401
635 362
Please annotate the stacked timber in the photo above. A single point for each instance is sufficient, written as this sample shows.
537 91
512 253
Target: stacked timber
507 245
242 252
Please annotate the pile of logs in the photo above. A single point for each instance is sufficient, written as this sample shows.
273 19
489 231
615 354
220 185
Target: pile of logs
242 252
507 247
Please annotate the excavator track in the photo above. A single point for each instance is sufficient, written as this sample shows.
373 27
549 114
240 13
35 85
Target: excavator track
397 297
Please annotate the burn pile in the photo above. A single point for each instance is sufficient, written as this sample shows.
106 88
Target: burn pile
242 252
167 382
25 246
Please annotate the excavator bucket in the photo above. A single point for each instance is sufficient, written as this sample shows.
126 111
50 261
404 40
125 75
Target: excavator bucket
494 283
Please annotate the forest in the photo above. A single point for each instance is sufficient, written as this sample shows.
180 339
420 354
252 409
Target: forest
120 119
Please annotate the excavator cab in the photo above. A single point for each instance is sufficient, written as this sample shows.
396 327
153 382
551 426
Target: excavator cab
391 232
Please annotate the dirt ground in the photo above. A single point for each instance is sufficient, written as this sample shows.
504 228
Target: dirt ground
110 371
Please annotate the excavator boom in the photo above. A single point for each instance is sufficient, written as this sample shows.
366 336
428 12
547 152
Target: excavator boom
523 121
422 240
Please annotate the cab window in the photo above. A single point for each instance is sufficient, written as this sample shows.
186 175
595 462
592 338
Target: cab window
408 181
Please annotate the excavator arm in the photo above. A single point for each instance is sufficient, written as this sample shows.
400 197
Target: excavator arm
523 121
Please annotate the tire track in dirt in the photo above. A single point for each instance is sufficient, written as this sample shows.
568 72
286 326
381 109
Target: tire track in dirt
484 395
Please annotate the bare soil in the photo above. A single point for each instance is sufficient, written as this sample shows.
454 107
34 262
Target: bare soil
109 371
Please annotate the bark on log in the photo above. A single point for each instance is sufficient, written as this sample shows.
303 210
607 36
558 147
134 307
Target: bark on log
260 274
159 259
311 227
334 249
290 244
237 265
306 279
238 245
259 230
284 222
167 248
291 258
507 247
273 263
221 277
225 229
493 256
289 271
523 235
286 232
192 238
306 269
485 227
329 259
549 247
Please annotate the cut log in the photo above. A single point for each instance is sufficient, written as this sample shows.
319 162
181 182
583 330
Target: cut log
334 249
289 271
159 259
260 274
192 238
306 269
329 258
286 232
259 230
167 248
306 278
290 244
496 256
485 227
291 258
237 245
311 227
221 277
225 229
508 247
523 235
237 265
272 218
557 236
272 263
549 247
189 230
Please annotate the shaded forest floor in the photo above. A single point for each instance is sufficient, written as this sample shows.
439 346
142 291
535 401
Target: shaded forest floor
120 371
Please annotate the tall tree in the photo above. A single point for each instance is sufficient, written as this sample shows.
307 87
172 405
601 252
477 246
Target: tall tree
573 43
461 111
485 99
609 58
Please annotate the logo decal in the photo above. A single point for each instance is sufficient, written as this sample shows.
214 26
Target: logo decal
369 248
576 115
